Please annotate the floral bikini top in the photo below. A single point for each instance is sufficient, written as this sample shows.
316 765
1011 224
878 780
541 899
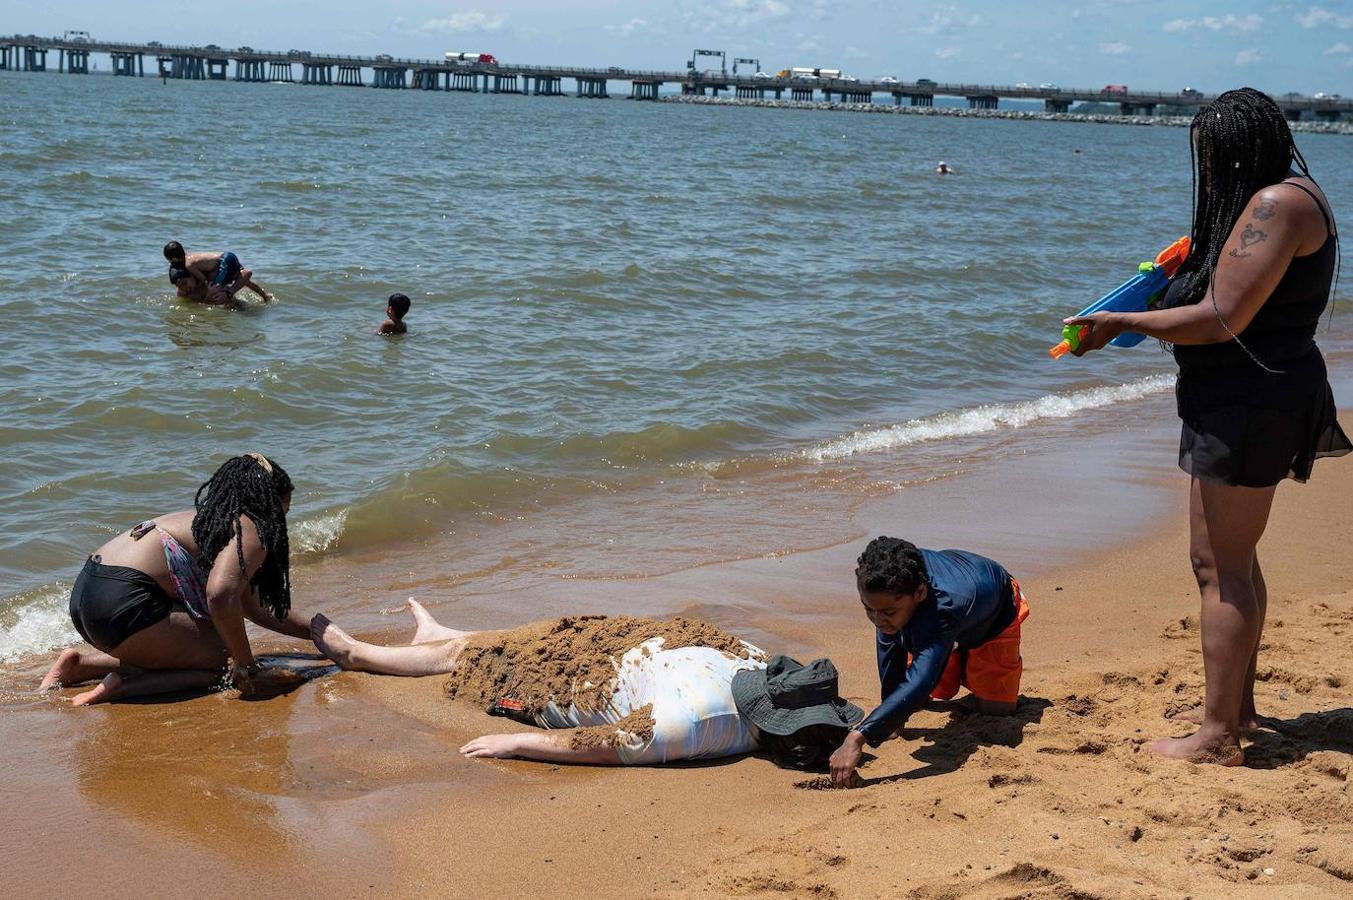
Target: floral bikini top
189 584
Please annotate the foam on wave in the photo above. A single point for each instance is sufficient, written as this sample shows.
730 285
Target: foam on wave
982 419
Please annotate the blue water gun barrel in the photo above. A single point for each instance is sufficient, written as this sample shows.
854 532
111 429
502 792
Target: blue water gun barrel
1137 294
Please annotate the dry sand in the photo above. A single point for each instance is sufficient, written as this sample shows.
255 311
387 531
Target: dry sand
1060 801
350 786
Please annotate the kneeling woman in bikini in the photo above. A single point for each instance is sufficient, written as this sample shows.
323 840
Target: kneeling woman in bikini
629 691
164 604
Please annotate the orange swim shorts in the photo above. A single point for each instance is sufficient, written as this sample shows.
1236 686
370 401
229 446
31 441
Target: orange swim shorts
991 671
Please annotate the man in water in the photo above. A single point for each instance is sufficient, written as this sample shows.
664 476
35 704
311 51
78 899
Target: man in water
944 169
209 277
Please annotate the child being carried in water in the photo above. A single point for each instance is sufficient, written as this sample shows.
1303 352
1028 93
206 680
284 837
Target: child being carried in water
943 619
396 308
209 277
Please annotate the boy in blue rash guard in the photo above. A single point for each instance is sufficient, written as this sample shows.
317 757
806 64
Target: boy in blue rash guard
943 619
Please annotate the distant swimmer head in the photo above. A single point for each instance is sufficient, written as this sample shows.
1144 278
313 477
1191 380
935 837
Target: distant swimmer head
943 168
397 307
173 251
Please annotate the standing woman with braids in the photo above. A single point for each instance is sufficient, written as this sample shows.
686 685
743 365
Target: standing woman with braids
1252 391
164 604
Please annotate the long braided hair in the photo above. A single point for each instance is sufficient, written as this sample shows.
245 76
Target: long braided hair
251 485
1241 144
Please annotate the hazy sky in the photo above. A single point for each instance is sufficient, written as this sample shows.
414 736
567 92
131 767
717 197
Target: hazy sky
1275 46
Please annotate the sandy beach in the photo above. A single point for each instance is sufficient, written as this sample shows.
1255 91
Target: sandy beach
351 786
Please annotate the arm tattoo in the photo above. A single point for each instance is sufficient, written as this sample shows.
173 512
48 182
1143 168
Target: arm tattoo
1248 238
1264 210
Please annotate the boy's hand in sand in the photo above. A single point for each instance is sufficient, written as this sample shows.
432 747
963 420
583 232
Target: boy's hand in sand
492 746
846 758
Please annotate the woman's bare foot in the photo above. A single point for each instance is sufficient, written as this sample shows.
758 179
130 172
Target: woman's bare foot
429 629
108 689
1248 724
62 671
332 641
1201 748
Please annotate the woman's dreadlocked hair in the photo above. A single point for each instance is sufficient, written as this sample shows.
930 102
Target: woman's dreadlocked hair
1241 144
251 485
891 566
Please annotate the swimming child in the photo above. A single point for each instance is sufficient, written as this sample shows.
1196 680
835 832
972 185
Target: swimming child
396 308
209 277
944 619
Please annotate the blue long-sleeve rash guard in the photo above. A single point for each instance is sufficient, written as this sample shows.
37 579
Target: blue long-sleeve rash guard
970 602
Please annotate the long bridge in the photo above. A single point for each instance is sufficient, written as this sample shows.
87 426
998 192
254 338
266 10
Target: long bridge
29 53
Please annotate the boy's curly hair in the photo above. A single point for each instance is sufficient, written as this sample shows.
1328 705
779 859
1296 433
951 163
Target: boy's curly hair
891 566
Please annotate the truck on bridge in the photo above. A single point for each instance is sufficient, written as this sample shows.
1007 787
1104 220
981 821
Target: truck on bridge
804 72
465 57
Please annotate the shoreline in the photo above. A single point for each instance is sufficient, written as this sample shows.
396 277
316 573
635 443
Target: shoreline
358 778
1303 127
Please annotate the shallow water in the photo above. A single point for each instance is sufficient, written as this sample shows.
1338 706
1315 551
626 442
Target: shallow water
643 337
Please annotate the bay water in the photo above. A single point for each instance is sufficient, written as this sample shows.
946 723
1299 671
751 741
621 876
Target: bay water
643 336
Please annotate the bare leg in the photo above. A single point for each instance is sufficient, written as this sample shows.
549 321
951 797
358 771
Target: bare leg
180 651
1225 526
1249 716
436 658
995 707
429 629
77 665
116 687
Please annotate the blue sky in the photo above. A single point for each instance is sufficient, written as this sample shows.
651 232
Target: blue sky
1275 46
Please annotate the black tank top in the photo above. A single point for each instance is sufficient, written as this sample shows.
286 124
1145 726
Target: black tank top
1284 328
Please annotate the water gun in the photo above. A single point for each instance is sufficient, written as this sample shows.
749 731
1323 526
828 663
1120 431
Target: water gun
1137 294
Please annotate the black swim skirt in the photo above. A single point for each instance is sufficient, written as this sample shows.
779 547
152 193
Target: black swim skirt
1247 427
111 603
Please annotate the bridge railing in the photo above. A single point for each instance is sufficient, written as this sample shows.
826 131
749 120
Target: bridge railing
1330 104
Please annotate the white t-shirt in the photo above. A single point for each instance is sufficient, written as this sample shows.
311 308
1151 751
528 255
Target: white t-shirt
691 689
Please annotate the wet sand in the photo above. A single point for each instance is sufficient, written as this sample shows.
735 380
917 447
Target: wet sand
350 785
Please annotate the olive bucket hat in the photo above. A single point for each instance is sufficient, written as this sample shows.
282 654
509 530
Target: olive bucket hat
787 695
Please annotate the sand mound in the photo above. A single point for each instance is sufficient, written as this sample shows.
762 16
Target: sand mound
573 658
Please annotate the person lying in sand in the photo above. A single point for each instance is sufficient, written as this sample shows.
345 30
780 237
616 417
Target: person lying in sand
209 277
627 691
164 604
943 619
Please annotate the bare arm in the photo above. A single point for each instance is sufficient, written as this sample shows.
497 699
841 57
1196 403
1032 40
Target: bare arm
294 625
227 586
1253 261
540 746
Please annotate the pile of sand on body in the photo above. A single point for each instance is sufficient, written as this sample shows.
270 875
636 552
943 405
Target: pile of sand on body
574 660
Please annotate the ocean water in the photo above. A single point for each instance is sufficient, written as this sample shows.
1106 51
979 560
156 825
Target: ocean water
643 336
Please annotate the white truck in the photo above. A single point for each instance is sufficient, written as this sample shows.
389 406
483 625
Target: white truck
804 73
465 57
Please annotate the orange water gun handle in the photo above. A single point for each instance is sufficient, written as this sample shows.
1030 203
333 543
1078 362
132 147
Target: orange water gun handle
1173 256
